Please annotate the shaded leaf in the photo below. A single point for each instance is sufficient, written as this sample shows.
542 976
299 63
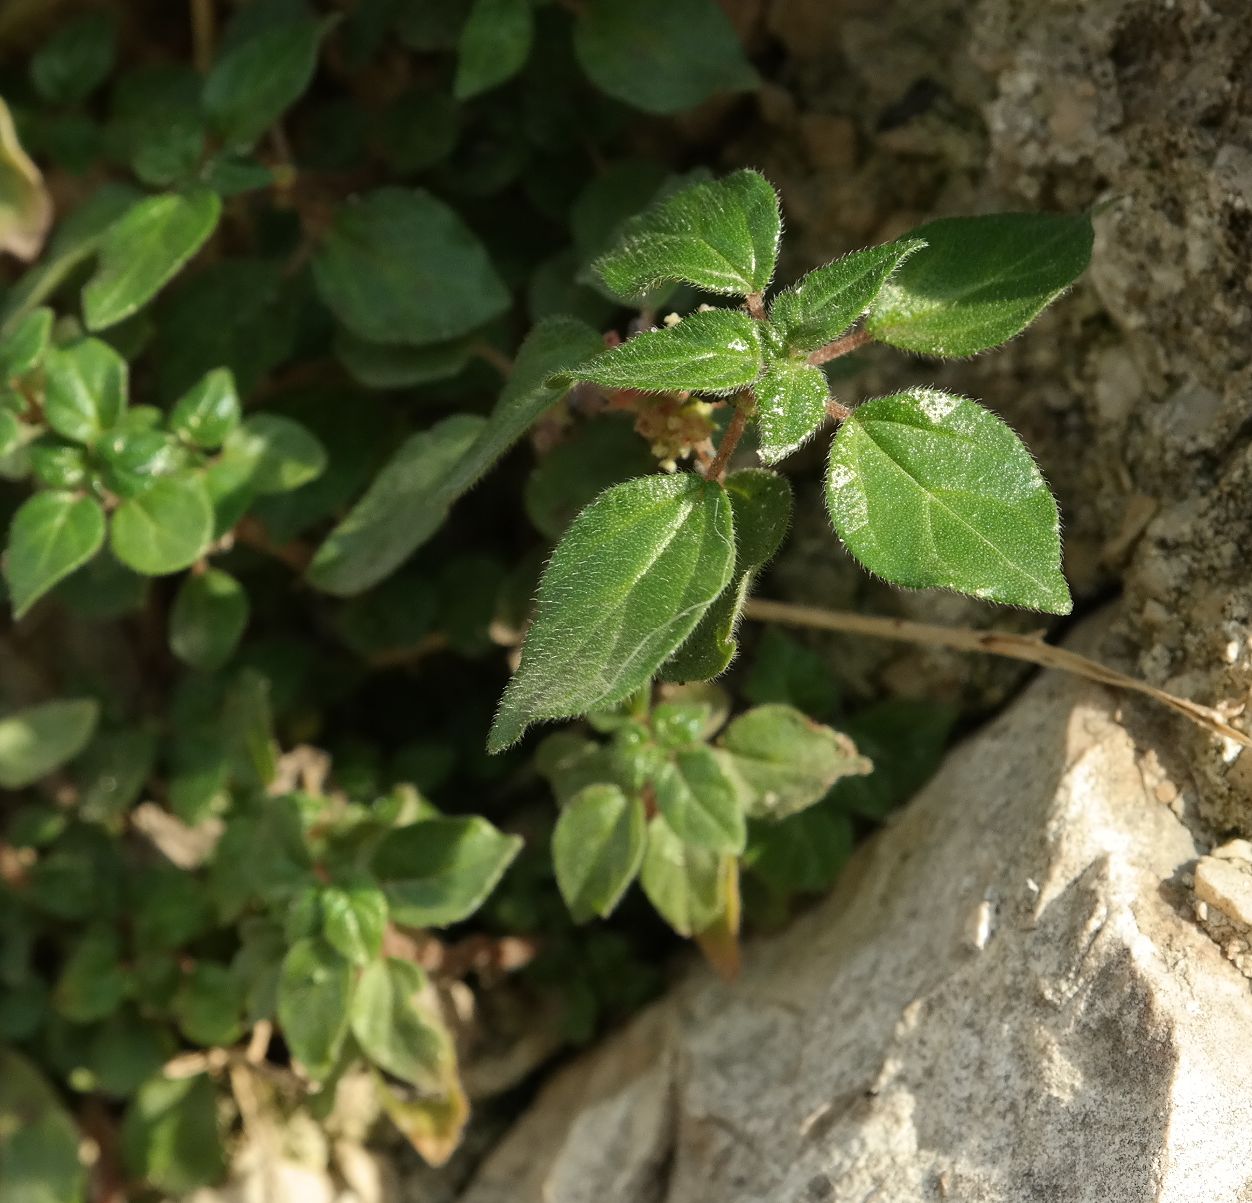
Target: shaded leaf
93 982
597 848
170 1136
208 619
41 738
495 43
22 348
76 59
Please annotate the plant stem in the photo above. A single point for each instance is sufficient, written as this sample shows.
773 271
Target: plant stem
841 346
755 302
203 34
498 359
734 432
1029 648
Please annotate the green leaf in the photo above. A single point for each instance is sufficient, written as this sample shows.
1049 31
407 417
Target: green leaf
760 502
440 871
660 56
354 917
127 1049
255 81
494 46
113 772
92 983
790 405
391 1029
314 993
801 854
56 464
822 305
597 848
717 351
786 760
41 738
625 586
77 59
39 1142
929 489
22 349
144 250
86 387
786 670
164 529
377 365
685 884
410 498
271 454
170 907
208 412
701 801
208 1007
170 1136
721 236
130 460
52 534
208 617
399 266
980 280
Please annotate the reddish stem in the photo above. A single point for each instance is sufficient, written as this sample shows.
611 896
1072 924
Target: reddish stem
841 346
734 432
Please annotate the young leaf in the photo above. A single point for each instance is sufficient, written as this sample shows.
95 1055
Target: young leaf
53 533
130 460
354 917
392 1031
686 884
721 236
929 489
165 528
980 280
256 80
144 250
22 348
208 412
822 305
760 502
660 56
700 801
597 848
410 498
717 351
399 266
625 586
786 760
208 618
170 1137
314 991
86 388
790 405
495 44
440 871
41 738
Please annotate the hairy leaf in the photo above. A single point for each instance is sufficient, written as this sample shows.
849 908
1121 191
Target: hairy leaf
597 848
790 405
391 1029
625 586
701 801
980 280
929 489
686 884
53 533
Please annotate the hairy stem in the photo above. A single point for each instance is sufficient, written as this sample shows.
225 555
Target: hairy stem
755 301
841 346
1029 648
734 432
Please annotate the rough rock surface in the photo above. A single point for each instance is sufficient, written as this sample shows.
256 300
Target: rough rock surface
1007 999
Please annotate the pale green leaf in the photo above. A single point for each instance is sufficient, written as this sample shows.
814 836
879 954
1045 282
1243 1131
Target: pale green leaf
170 1136
314 993
928 489
410 498
822 305
701 801
686 884
165 528
22 349
980 280
597 848
626 585
658 55
440 871
400 266
391 1028
144 250
25 203
208 618
269 453
717 351
39 739
495 43
721 236
53 533
790 406
786 760
354 917
85 389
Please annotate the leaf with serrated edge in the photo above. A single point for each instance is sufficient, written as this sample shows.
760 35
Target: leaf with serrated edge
597 848
53 533
980 280
790 405
715 352
822 305
86 386
625 586
701 802
392 1032
931 490
722 237
686 884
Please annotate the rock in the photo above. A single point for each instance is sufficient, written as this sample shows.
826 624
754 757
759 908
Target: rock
1007 1000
